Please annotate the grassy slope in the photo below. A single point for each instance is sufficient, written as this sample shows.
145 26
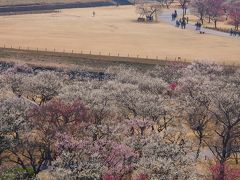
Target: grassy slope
87 62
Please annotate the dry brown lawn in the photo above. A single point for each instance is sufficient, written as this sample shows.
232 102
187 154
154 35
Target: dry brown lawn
114 30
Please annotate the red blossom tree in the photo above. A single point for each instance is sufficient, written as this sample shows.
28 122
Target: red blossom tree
229 172
57 117
110 177
142 176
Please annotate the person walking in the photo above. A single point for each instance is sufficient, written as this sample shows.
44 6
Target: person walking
184 24
173 18
177 23
199 26
196 26
235 33
175 12
231 32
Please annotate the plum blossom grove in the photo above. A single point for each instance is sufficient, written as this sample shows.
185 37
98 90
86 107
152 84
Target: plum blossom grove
159 124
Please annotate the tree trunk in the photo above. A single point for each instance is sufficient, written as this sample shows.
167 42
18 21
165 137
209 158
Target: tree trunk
215 24
199 147
236 158
142 129
132 131
153 128
201 19
222 172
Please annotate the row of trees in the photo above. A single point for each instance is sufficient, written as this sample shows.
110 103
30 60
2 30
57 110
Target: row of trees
214 10
132 125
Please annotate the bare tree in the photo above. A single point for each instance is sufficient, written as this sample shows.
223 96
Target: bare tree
19 146
149 10
226 113
215 10
216 111
184 5
196 105
200 8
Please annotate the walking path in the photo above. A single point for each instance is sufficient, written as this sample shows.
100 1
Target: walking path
166 17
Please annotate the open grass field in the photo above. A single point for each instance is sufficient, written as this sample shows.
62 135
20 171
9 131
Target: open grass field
114 30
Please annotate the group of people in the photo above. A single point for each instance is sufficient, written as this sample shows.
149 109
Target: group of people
182 22
198 26
234 33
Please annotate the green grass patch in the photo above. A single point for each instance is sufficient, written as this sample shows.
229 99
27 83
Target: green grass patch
16 173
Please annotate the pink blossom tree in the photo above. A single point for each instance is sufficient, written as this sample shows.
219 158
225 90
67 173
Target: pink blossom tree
230 173
101 158
57 117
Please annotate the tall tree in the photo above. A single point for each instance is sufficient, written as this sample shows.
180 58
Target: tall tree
215 10
184 5
199 8
234 13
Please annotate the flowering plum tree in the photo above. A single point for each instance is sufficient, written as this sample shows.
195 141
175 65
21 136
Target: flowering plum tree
94 158
44 86
18 144
230 173
162 160
216 112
